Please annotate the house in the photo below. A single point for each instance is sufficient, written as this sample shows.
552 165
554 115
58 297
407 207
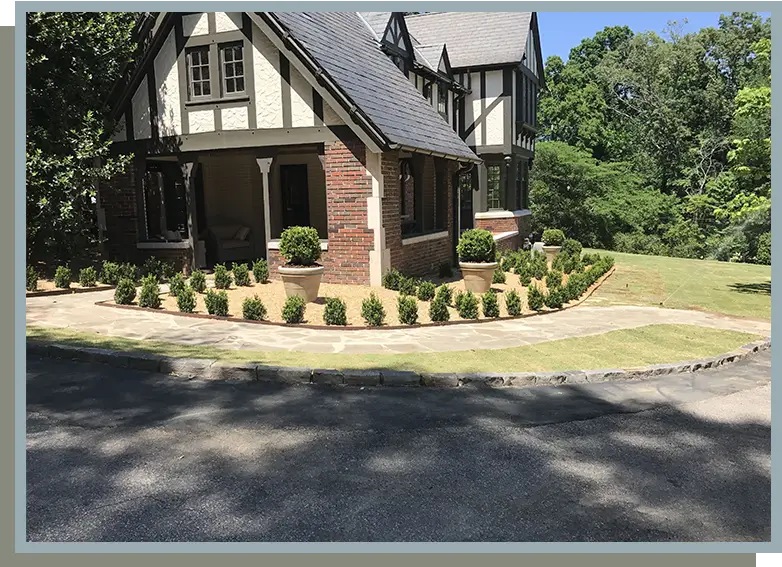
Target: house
387 133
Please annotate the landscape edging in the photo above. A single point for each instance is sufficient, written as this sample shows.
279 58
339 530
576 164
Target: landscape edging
229 371
69 291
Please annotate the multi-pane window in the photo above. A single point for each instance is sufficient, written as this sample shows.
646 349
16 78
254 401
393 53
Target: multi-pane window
493 186
442 101
232 56
198 72
165 205
407 193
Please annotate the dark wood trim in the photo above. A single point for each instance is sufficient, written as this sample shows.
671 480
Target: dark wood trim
216 38
181 62
534 78
129 133
139 164
462 114
215 72
249 71
231 102
210 18
507 95
152 96
483 106
285 81
317 106
218 119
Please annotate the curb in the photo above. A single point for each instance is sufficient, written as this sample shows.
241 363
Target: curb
69 291
587 294
212 369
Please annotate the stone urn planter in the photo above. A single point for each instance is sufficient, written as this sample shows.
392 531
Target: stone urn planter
477 259
301 274
552 243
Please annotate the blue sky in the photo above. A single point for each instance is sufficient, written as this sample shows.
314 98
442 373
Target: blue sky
561 31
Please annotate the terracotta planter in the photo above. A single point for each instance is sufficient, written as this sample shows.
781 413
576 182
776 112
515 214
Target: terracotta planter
477 276
551 253
303 282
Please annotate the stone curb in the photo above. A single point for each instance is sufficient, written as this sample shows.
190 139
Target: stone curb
212 369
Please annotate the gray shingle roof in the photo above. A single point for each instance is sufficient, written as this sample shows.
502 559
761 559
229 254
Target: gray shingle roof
377 21
429 55
343 46
474 38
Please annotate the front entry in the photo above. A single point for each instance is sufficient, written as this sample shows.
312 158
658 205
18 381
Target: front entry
466 217
295 195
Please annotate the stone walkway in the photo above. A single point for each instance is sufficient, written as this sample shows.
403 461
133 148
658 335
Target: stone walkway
79 312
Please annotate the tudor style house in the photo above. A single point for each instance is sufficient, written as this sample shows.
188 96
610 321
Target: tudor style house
387 133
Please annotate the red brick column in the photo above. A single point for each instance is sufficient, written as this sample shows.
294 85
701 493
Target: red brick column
118 200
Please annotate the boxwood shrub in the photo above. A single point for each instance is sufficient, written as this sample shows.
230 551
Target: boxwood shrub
335 312
553 279
499 276
293 309
372 311
186 299
512 303
407 309
538 265
31 279
426 290
571 247
446 293
476 245
438 309
554 298
408 286
150 292
491 305
467 305
261 271
125 292
553 237
62 277
198 281
253 309
300 246
87 277
216 302
392 278
110 273
176 284
129 271
535 298
241 274
223 278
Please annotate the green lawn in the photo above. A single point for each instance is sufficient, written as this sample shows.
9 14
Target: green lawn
653 344
734 289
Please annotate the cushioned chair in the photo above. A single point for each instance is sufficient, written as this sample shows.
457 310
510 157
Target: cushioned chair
231 243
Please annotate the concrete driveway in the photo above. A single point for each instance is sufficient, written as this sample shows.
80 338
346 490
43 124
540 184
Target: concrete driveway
118 455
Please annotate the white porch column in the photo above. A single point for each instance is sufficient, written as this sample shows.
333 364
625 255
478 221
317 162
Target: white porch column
379 256
265 165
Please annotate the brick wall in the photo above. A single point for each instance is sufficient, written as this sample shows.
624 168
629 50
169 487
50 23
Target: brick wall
182 258
522 225
118 199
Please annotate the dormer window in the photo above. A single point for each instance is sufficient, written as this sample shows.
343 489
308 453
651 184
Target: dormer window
442 101
232 60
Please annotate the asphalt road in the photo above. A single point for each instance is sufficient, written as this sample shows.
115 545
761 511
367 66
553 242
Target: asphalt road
119 455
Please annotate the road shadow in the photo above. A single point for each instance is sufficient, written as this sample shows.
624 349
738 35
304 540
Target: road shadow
117 455
755 288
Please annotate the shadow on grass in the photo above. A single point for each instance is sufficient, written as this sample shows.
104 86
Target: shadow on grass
754 288
118 455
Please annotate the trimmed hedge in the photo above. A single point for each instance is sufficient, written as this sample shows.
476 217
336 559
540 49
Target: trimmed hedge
300 246
223 278
335 312
216 302
467 305
407 309
491 305
125 292
198 281
261 271
293 309
372 311
62 277
253 309
241 274
476 245
150 292
186 299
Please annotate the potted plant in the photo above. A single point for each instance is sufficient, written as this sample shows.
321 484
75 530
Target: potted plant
552 243
301 274
477 259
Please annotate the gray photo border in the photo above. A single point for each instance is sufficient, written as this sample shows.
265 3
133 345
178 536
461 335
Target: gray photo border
22 546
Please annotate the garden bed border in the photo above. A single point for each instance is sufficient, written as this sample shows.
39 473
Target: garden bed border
579 301
68 291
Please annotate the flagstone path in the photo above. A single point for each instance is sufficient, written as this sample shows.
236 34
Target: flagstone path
79 312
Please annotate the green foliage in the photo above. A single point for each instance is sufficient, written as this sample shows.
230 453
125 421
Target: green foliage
72 62
763 255
445 270
261 271
157 268
31 279
176 284
150 292
535 298
438 309
392 279
553 279
216 302
491 305
590 258
538 267
125 292
467 305
407 309
372 311
575 287
110 273
426 290
553 237
87 277
186 299
241 274
62 277
476 245
130 272
554 298
223 278
198 281
571 247
445 293
253 309
293 309
408 286
498 277
513 303
300 246
335 312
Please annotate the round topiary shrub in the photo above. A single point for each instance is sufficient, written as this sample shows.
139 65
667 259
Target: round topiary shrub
426 291
392 278
110 273
223 278
300 246
129 271
125 292
535 298
407 309
491 305
476 245
198 281
293 310
438 309
763 255
467 305
335 312
87 277
571 247
372 311
553 279
553 237
62 277
176 284
31 279
216 302
150 292
513 303
186 299
241 274
253 309
498 277
261 271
